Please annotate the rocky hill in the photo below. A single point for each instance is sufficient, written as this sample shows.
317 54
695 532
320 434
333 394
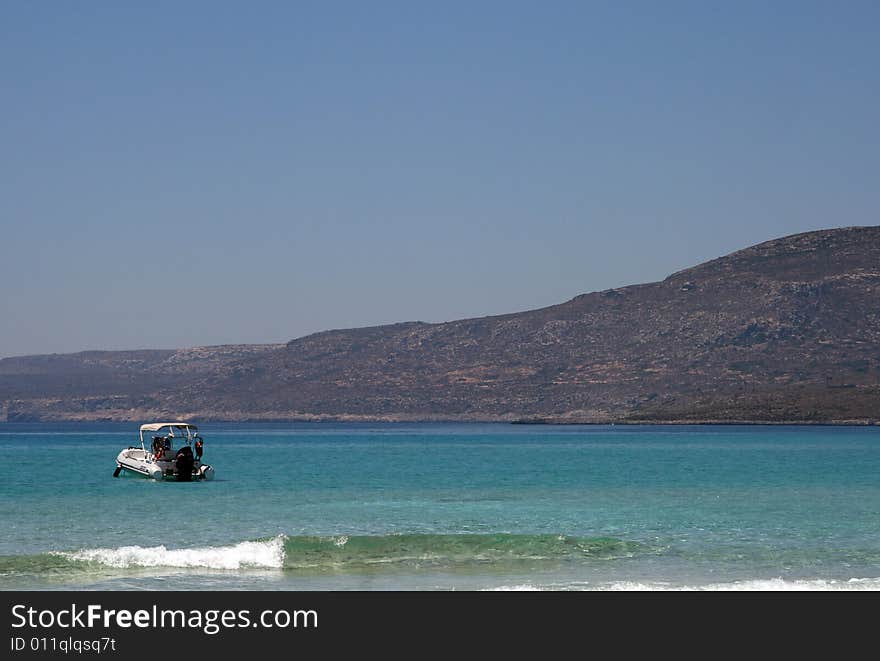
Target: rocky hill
788 330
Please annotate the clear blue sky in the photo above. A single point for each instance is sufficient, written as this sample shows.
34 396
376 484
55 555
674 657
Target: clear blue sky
186 173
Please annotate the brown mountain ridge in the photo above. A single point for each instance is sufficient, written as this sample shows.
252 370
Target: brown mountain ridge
784 331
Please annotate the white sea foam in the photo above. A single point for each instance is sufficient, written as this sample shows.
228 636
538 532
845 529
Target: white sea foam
758 585
262 554
754 585
523 587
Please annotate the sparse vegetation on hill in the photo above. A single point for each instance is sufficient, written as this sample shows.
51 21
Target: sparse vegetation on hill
788 330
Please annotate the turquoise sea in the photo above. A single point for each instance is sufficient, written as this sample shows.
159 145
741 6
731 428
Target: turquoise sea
447 506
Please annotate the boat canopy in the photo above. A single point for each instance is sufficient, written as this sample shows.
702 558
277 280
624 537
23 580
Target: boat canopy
156 426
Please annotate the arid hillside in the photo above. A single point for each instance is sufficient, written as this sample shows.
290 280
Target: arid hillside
788 330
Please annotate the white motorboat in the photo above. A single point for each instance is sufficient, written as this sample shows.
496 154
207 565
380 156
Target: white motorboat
173 456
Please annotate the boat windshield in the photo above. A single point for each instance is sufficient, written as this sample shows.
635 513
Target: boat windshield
169 431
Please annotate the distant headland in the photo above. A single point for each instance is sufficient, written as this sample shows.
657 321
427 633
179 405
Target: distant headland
787 331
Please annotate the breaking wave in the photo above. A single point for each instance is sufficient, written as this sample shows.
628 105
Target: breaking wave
318 554
258 554
335 552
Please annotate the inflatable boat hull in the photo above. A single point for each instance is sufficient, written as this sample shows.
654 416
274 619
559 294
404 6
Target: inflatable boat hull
135 460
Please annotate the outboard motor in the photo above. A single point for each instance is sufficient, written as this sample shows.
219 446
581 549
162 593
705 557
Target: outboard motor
184 461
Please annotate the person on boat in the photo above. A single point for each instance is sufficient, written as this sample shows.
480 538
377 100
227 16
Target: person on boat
199 448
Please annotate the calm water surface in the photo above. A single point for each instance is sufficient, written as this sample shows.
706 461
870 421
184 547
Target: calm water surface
447 506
